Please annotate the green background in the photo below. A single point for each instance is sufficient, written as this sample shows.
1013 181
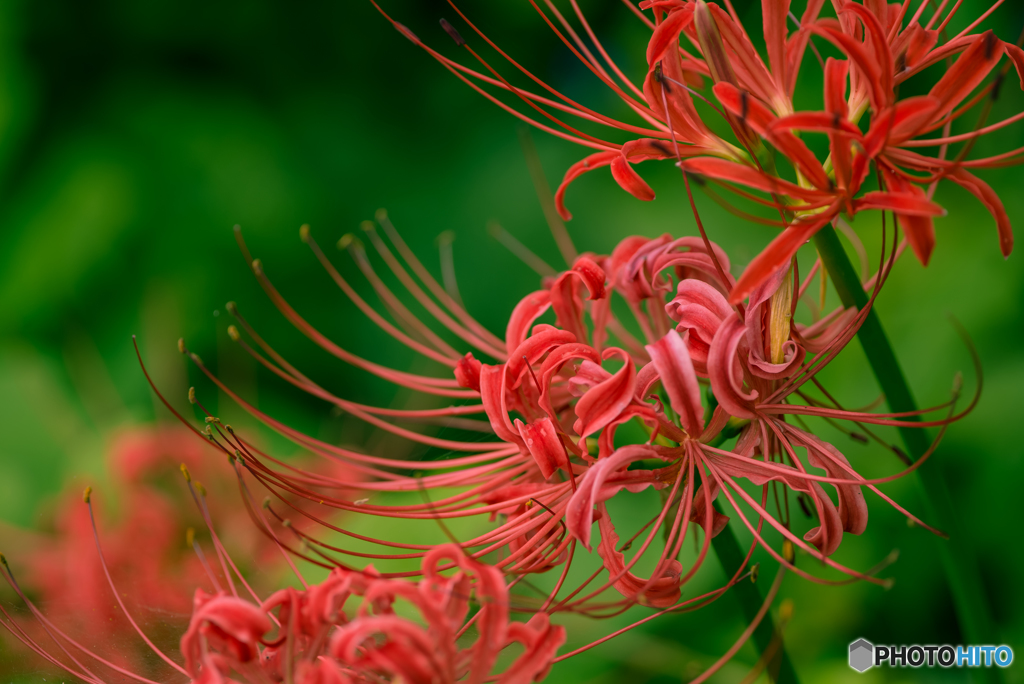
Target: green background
133 136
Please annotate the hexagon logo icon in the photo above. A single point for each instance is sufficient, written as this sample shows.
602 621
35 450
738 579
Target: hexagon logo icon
862 655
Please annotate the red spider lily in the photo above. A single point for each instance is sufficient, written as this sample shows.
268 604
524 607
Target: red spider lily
881 46
318 642
555 410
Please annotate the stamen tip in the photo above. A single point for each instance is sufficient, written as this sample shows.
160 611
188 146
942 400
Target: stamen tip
201 489
304 232
232 308
233 333
367 226
257 267
190 536
451 31
212 419
287 522
754 572
788 551
87 495
266 502
381 214
191 395
181 345
184 471
786 609
346 240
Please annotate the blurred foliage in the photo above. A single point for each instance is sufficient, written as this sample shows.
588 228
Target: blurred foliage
133 136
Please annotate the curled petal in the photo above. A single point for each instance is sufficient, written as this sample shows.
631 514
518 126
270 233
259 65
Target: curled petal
698 308
467 372
602 481
603 402
984 192
588 163
724 369
778 253
672 359
229 624
969 70
492 391
661 591
545 445
526 312
853 510
540 640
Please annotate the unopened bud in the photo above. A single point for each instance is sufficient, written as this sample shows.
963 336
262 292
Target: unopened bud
711 44
184 471
87 495
191 395
233 333
781 307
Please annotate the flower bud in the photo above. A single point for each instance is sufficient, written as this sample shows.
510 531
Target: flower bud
781 316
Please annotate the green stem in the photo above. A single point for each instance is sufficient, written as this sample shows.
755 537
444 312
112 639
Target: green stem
730 555
956 554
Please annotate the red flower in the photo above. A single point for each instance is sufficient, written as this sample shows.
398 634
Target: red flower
881 47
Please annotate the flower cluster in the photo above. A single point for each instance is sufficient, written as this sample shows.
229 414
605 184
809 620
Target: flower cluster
878 48
648 373
317 642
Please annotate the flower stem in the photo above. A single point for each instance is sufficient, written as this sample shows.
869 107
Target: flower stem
958 559
730 555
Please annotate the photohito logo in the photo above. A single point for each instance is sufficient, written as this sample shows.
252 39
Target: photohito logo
865 655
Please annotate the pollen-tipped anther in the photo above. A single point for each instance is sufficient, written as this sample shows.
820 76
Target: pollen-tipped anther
201 489
181 345
184 471
304 232
233 333
257 267
346 240
266 502
367 226
190 536
232 308
191 395
451 31
788 551
87 495
754 572
381 214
